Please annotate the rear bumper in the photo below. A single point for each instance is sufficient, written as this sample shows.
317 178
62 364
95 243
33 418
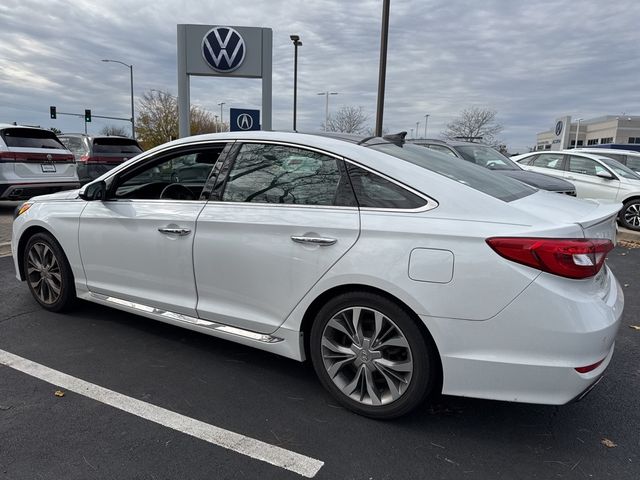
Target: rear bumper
24 191
529 351
88 172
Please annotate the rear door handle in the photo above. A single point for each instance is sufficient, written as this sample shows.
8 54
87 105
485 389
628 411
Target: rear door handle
322 241
171 230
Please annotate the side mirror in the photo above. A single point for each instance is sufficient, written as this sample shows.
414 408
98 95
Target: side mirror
605 175
94 191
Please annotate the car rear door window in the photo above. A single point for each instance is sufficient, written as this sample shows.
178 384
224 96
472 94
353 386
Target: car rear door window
585 166
633 163
373 191
281 174
549 160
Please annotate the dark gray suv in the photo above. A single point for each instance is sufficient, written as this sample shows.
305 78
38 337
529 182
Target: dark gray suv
96 155
490 158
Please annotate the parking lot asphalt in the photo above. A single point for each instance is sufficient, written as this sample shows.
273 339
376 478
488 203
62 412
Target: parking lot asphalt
279 402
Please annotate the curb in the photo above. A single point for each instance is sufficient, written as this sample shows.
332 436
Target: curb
625 235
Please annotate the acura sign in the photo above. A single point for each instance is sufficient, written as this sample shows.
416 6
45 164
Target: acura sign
244 120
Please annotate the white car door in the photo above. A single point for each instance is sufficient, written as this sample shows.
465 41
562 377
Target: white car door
280 219
583 173
137 245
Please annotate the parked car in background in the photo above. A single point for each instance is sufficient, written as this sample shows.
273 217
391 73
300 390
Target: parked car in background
630 158
595 176
490 158
33 161
97 154
342 251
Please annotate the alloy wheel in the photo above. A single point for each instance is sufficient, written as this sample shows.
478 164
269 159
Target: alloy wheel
632 215
43 273
367 356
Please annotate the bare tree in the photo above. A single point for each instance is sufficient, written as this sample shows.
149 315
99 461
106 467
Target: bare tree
114 130
348 119
157 120
474 122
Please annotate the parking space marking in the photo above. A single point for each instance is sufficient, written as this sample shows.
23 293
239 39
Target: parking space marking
280 457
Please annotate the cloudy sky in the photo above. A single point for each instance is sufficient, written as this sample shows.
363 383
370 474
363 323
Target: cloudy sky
532 61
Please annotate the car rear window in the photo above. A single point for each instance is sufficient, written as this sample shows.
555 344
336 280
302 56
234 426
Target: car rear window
462 171
115 145
30 138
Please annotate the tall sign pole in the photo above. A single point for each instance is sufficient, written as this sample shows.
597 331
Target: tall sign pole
384 35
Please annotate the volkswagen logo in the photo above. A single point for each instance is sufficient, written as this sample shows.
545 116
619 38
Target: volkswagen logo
49 157
558 128
244 121
223 49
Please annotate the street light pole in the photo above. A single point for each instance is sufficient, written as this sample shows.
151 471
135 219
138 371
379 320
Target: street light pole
417 126
382 72
296 43
577 132
326 107
133 116
426 118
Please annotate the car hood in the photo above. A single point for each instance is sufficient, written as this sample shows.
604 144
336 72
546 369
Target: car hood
539 180
63 195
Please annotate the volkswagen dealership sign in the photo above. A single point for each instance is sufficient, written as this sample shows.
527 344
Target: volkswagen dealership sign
223 49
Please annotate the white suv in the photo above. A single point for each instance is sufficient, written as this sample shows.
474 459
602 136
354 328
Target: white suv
630 158
595 176
33 162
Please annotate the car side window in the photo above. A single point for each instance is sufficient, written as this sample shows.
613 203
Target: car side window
178 176
585 166
633 163
548 160
268 173
75 145
374 191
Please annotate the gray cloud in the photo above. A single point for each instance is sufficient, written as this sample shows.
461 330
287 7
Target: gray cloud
531 62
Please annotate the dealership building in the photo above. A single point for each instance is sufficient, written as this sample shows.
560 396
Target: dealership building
618 129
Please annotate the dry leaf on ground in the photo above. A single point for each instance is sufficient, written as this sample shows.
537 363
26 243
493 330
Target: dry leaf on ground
608 443
635 327
59 393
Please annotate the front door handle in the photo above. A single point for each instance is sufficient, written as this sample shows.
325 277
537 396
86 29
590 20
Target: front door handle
174 230
322 241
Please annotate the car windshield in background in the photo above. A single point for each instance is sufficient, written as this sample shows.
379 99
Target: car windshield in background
115 145
619 168
486 157
478 178
30 138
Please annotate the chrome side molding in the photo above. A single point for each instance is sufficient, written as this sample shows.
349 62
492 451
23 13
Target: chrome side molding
173 317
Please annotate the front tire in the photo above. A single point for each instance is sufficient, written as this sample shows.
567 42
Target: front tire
48 273
371 355
630 215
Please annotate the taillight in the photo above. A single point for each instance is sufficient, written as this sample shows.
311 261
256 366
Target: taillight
589 368
7 157
84 158
566 257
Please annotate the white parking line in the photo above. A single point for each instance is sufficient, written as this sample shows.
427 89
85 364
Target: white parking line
294 462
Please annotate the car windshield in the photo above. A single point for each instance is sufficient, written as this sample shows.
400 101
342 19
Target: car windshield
478 178
31 138
486 157
619 168
115 145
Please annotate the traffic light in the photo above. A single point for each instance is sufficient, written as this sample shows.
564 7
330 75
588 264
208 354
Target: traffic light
52 112
87 115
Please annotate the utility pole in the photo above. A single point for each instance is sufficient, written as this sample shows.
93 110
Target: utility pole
326 107
382 73
426 117
417 126
221 104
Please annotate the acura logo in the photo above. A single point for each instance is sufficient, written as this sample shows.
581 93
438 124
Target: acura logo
244 121
558 128
223 49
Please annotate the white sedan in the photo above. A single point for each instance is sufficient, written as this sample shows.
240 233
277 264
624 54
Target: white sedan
595 176
398 271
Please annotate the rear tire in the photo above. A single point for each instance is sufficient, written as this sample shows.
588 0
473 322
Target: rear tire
370 354
630 215
48 273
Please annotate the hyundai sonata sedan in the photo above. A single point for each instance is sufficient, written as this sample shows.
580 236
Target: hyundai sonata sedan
400 272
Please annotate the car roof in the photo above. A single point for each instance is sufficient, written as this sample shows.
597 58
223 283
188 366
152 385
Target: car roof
604 151
11 125
93 136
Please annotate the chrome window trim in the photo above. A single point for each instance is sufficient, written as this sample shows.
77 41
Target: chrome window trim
429 205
